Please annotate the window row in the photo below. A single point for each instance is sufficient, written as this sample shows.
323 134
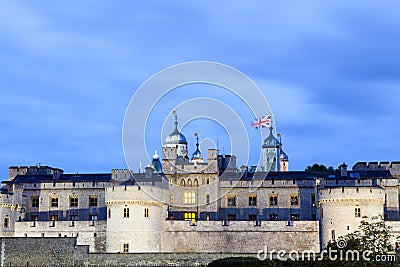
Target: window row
252 200
189 198
55 201
126 213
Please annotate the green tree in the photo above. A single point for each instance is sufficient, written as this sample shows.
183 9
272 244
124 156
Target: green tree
371 235
318 167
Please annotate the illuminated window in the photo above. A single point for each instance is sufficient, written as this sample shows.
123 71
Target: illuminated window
189 197
35 202
54 202
182 182
196 183
93 201
126 212
54 217
231 201
125 248
294 200
273 200
146 213
207 216
357 212
189 182
189 216
171 199
253 200
73 201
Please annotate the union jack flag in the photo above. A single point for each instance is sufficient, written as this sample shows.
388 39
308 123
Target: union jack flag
262 122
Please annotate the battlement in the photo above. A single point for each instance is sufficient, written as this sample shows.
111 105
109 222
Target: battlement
393 167
13 171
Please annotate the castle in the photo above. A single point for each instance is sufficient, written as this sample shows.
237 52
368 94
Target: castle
198 204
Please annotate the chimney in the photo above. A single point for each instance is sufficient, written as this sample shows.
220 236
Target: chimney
343 170
244 169
149 172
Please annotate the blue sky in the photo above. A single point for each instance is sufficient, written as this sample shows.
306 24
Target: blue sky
329 69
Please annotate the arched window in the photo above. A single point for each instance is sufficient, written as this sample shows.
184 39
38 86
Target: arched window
196 183
189 182
208 181
182 182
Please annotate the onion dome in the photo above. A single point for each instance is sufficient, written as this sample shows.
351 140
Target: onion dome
175 137
282 155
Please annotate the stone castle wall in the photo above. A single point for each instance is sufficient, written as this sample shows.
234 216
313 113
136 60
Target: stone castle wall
239 236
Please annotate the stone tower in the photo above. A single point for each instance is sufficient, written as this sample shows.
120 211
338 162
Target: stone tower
271 153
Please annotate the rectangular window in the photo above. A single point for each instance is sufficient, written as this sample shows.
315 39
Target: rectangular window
146 213
252 217
35 202
171 199
273 200
232 201
189 216
54 202
208 199
73 201
253 200
93 201
109 213
54 217
294 217
357 212
189 197
294 200
313 200
125 248
6 222
333 235
231 217
273 217
207 217
126 212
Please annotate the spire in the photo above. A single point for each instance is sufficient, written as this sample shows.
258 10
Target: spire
197 153
197 140
175 112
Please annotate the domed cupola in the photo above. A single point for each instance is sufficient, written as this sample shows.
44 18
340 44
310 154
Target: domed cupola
176 140
283 155
175 137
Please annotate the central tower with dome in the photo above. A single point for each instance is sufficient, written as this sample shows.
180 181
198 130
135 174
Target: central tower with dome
177 141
